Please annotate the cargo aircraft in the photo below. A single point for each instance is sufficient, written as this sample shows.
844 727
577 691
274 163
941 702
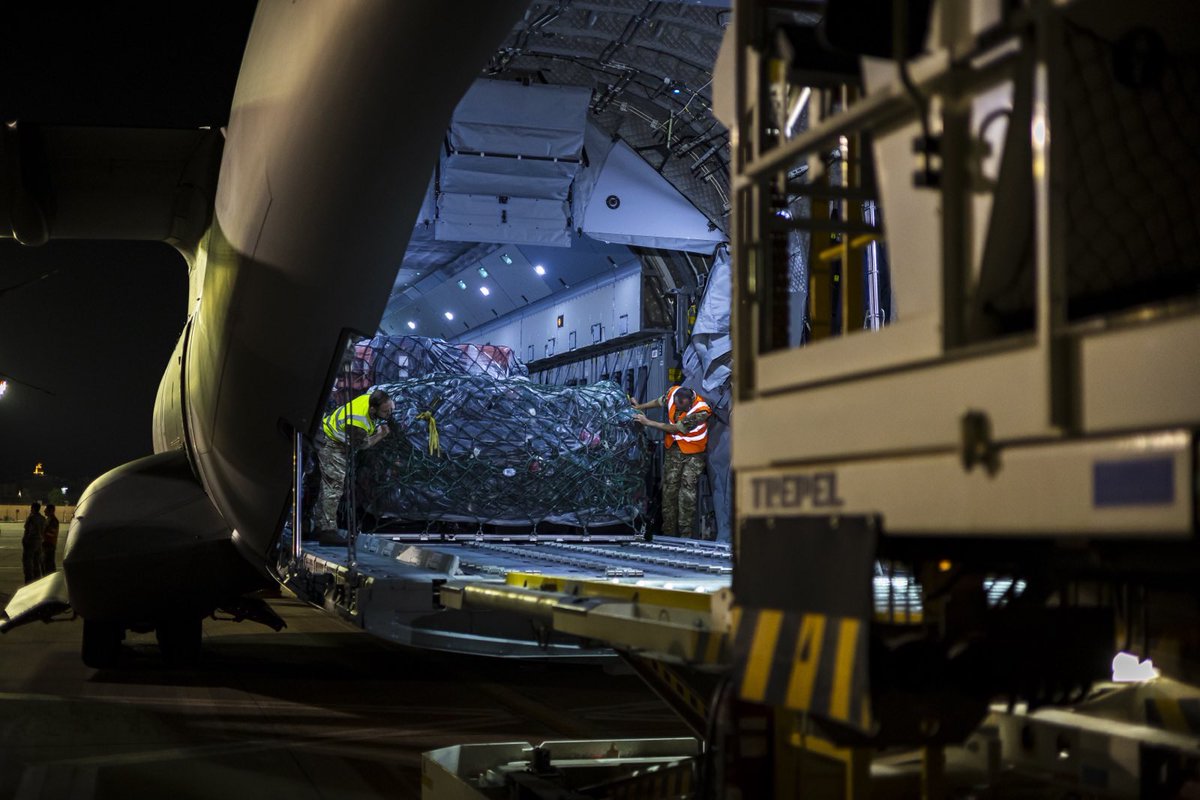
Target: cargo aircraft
293 219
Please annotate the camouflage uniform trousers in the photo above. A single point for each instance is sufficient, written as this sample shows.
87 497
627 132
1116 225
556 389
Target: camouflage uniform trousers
334 458
680 474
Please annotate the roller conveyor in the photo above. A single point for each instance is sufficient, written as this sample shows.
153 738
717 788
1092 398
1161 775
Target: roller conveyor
392 586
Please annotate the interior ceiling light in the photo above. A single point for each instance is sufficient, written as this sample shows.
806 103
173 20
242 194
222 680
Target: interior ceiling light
485 291
449 315
462 284
539 269
412 326
483 272
505 257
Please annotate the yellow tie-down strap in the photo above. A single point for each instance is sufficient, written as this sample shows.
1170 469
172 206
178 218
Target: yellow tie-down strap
804 662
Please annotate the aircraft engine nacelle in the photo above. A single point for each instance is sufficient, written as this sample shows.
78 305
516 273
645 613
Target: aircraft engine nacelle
147 546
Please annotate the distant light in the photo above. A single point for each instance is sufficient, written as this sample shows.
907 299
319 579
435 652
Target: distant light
64 490
449 315
506 258
412 326
675 91
483 272
485 291
539 269
1127 669
462 284
3 388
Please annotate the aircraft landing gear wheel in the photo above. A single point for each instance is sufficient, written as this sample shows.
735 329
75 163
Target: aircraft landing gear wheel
179 641
101 643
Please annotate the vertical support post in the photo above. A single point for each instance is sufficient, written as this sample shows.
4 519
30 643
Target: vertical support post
852 252
297 494
741 323
351 507
1049 234
874 305
933 773
956 216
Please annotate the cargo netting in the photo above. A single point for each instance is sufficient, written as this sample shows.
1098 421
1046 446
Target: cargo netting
475 441
505 451
387 359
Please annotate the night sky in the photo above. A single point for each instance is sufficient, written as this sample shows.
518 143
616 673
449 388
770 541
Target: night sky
97 333
99 330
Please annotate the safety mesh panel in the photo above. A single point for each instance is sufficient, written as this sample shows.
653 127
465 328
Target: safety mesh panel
505 451
1132 116
1128 138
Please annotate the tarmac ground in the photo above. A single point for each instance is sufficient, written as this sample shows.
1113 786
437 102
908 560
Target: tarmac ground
318 710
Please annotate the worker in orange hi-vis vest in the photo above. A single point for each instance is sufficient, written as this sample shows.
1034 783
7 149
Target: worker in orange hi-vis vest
686 437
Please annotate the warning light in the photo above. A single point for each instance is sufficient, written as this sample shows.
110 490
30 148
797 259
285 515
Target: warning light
37 469
944 565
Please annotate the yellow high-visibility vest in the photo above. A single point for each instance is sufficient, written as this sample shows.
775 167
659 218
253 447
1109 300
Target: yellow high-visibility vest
357 413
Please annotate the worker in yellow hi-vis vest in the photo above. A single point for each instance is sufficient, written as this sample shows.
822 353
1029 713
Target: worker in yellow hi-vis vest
361 423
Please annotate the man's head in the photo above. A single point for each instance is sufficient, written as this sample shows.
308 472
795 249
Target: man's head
684 398
35 507
380 404
49 509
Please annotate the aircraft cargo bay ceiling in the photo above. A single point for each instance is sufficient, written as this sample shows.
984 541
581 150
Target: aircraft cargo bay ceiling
589 132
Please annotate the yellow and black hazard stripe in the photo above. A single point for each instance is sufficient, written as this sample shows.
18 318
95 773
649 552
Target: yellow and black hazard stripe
1172 714
673 685
804 662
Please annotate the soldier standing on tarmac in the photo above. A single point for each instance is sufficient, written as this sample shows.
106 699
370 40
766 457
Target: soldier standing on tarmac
31 543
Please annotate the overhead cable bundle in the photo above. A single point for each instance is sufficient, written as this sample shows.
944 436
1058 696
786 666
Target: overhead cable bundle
505 451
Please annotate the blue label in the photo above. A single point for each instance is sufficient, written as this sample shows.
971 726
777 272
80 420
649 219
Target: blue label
1133 482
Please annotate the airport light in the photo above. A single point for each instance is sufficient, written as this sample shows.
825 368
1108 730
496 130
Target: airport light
412 326
485 291
449 315
539 269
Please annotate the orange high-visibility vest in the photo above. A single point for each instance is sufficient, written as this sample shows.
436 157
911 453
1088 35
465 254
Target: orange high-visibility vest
697 440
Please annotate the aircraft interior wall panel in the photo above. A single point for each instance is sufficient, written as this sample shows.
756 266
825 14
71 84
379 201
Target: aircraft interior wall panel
581 309
580 313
